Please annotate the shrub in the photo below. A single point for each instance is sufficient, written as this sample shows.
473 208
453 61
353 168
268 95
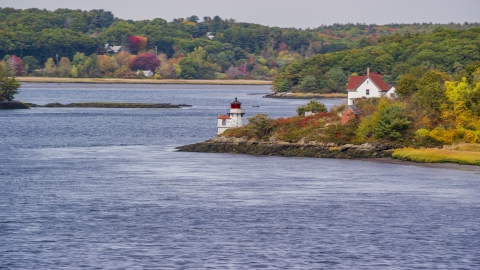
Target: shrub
261 126
312 106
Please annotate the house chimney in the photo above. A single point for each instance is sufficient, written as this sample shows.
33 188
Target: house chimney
368 72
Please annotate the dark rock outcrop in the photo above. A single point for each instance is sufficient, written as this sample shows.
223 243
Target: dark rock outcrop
348 151
12 104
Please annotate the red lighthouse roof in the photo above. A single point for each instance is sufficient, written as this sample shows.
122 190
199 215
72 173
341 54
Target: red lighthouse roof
235 104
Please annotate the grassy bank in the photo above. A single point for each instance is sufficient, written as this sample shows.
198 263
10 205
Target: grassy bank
311 95
305 95
433 155
140 81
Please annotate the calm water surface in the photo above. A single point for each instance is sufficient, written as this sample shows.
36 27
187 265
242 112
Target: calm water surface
104 189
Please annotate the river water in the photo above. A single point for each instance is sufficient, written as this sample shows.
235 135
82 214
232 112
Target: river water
104 189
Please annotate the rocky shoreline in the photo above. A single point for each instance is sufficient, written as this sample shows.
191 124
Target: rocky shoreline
316 150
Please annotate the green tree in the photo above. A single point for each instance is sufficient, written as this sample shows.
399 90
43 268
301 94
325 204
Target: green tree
64 67
190 68
8 85
308 83
407 86
30 63
312 106
431 90
282 87
391 123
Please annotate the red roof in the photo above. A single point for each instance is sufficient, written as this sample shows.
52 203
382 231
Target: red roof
355 82
223 117
236 102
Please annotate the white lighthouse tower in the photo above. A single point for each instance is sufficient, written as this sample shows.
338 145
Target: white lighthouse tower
233 119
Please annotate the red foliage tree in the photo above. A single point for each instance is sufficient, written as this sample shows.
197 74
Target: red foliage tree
243 68
17 64
137 43
145 61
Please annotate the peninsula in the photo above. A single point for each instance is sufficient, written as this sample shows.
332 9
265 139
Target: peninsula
432 118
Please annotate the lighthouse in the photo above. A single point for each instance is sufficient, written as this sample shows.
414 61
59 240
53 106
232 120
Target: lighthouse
233 119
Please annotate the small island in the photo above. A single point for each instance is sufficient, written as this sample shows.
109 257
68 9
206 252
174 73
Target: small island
109 105
9 88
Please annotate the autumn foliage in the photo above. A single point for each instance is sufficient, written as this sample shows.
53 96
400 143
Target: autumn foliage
138 43
145 61
16 64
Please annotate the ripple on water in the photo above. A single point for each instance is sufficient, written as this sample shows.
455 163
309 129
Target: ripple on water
95 188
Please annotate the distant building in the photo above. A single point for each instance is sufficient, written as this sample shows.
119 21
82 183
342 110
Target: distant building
367 86
210 35
349 114
112 49
146 73
233 119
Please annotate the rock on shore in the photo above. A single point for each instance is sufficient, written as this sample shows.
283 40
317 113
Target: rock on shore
12 104
318 150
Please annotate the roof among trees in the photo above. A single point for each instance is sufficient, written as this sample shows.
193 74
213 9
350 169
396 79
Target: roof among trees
356 81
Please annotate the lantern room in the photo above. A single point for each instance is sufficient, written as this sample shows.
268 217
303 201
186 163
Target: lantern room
235 104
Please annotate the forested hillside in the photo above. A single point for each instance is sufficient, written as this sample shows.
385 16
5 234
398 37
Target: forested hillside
71 43
445 50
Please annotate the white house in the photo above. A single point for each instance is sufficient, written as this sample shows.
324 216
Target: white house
370 85
112 49
146 73
210 35
232 119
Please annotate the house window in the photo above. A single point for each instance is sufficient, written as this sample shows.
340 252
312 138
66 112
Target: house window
224 122
368 92
392 95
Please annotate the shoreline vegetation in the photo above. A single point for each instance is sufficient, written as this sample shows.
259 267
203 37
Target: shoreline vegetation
302 95
139 81
435 155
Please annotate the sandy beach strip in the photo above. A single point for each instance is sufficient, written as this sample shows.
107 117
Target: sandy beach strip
140 81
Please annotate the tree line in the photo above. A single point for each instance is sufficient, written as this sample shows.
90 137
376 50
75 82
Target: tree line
445 50
50 42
